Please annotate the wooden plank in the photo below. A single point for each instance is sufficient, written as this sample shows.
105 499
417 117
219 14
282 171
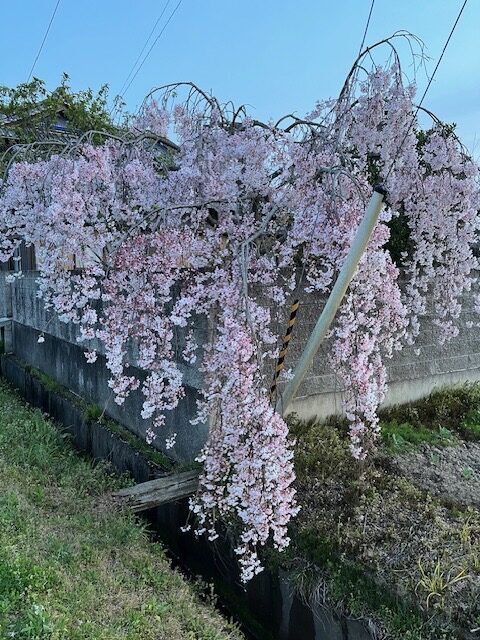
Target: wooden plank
154 493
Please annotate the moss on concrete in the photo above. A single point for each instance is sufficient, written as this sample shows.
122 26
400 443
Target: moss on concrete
94 413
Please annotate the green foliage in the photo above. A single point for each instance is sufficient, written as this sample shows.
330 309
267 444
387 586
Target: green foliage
468 473
404 436
360 594
399 244
94 413
321 450
435 581
456 409
30 107
72 565
470 425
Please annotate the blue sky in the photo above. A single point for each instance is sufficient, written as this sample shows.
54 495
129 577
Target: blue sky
276 56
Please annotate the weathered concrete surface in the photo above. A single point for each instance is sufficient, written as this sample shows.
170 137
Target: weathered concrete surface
65 362
88 436
28 309
324 404
62 357
411 375
5 297
5 314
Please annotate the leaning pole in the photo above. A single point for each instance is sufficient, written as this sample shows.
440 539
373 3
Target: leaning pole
335 298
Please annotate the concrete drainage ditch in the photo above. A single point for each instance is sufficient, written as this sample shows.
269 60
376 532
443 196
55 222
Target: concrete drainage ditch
268 608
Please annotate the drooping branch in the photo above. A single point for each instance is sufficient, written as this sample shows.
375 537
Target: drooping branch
224 223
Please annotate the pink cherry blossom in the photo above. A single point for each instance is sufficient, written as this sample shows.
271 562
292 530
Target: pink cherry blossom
174 259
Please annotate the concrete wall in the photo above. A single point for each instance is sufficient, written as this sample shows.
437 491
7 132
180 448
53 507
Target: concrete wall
411 376
61 357
5 314
5 298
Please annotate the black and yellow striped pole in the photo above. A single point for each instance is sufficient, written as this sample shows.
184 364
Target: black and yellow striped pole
281 356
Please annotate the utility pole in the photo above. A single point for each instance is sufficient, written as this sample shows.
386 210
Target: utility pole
335 298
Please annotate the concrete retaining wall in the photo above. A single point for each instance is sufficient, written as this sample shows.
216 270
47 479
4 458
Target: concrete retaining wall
411 376
5 298
95 439
62 358
6 343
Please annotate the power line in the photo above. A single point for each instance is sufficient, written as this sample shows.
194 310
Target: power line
43 41
366 27
296 302
427 88
165 6
151 48
357 69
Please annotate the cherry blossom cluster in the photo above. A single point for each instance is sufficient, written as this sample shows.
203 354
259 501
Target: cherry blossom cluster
136 240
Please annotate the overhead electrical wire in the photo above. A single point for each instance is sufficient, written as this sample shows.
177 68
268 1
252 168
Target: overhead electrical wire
296 303
122 94
165 6
452 30
366 27
43 41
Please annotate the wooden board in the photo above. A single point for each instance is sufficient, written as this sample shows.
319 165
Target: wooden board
159 491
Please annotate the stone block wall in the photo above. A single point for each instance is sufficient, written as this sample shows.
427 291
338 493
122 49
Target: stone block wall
413 372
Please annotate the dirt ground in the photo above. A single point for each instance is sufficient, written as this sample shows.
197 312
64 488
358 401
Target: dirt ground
409 518
450 473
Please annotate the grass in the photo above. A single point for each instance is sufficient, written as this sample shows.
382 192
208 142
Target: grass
71 566
349 538
456 409
436 581
359 593
471 424
437 420
404 436
321 450
94 413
